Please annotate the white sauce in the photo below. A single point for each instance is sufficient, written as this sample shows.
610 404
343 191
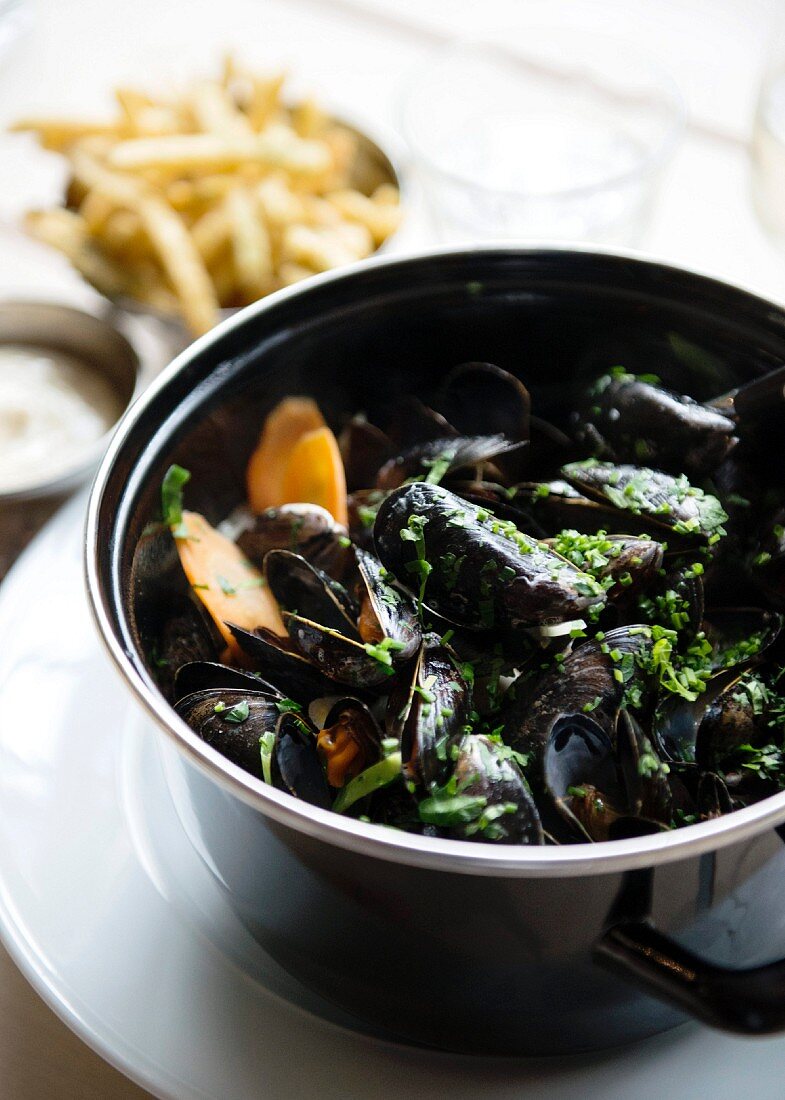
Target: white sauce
53 409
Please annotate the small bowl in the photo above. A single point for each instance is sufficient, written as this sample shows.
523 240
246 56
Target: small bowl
99 346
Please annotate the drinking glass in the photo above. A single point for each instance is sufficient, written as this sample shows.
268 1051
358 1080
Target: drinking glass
547 134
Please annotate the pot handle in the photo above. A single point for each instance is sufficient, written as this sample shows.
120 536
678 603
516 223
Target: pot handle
748 1002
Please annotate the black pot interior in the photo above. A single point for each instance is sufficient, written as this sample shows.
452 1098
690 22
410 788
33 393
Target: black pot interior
557 319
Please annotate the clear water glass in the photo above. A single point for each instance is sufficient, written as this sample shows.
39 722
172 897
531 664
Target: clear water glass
768 141
547 135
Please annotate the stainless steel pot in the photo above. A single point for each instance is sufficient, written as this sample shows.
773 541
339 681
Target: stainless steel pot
458 945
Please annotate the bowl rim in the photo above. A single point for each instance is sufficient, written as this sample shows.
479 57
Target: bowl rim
371 840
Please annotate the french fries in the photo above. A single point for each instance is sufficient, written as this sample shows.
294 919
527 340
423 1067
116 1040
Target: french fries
211 198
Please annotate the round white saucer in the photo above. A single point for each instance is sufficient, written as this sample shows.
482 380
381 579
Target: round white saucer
114 920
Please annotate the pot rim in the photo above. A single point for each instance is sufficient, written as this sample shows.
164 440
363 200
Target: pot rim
465 857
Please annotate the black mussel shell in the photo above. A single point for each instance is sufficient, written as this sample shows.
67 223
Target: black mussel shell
580 775
441 457
633 562
428 710
767 561
676 722
277 662
349 741
295 764
740 635
337 657
483 399
300 587
645 777
680 592
584 684
413 423
305 529
205 675
385 611
364 450
485 770
170 624
713 798
628 419
226 728
733 717
554 506
478 578
661 500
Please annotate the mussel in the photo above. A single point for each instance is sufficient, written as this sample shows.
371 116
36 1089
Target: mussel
668 503
511 634
233 721
428 711
487 797
629 419
474 569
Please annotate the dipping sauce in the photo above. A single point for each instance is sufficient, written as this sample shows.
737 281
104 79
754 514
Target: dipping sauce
53 410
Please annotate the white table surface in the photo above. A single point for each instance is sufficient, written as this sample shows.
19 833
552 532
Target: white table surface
355 52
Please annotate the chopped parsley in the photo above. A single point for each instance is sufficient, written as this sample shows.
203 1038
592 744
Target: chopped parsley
175 479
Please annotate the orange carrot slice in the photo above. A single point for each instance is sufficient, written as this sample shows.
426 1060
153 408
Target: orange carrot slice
284 426
315 474
228 585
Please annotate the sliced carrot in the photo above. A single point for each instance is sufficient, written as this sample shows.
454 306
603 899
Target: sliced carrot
315 474
284 426
228 585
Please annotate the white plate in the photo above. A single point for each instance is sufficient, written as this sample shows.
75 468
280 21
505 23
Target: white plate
114 920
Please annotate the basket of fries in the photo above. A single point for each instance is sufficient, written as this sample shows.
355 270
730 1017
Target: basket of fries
202 201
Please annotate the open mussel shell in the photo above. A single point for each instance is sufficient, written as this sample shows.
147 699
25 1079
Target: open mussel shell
580 775
305 529
677 721
300 587
584 683
349 741
206 675
663 502
170 623
339 658
277 662
740 635
554 506
483 399
414 422
213 714
385 611
767 564
364 450
479 577
485 770
428 710
444 457
713 799
645 777
627 419
295 766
